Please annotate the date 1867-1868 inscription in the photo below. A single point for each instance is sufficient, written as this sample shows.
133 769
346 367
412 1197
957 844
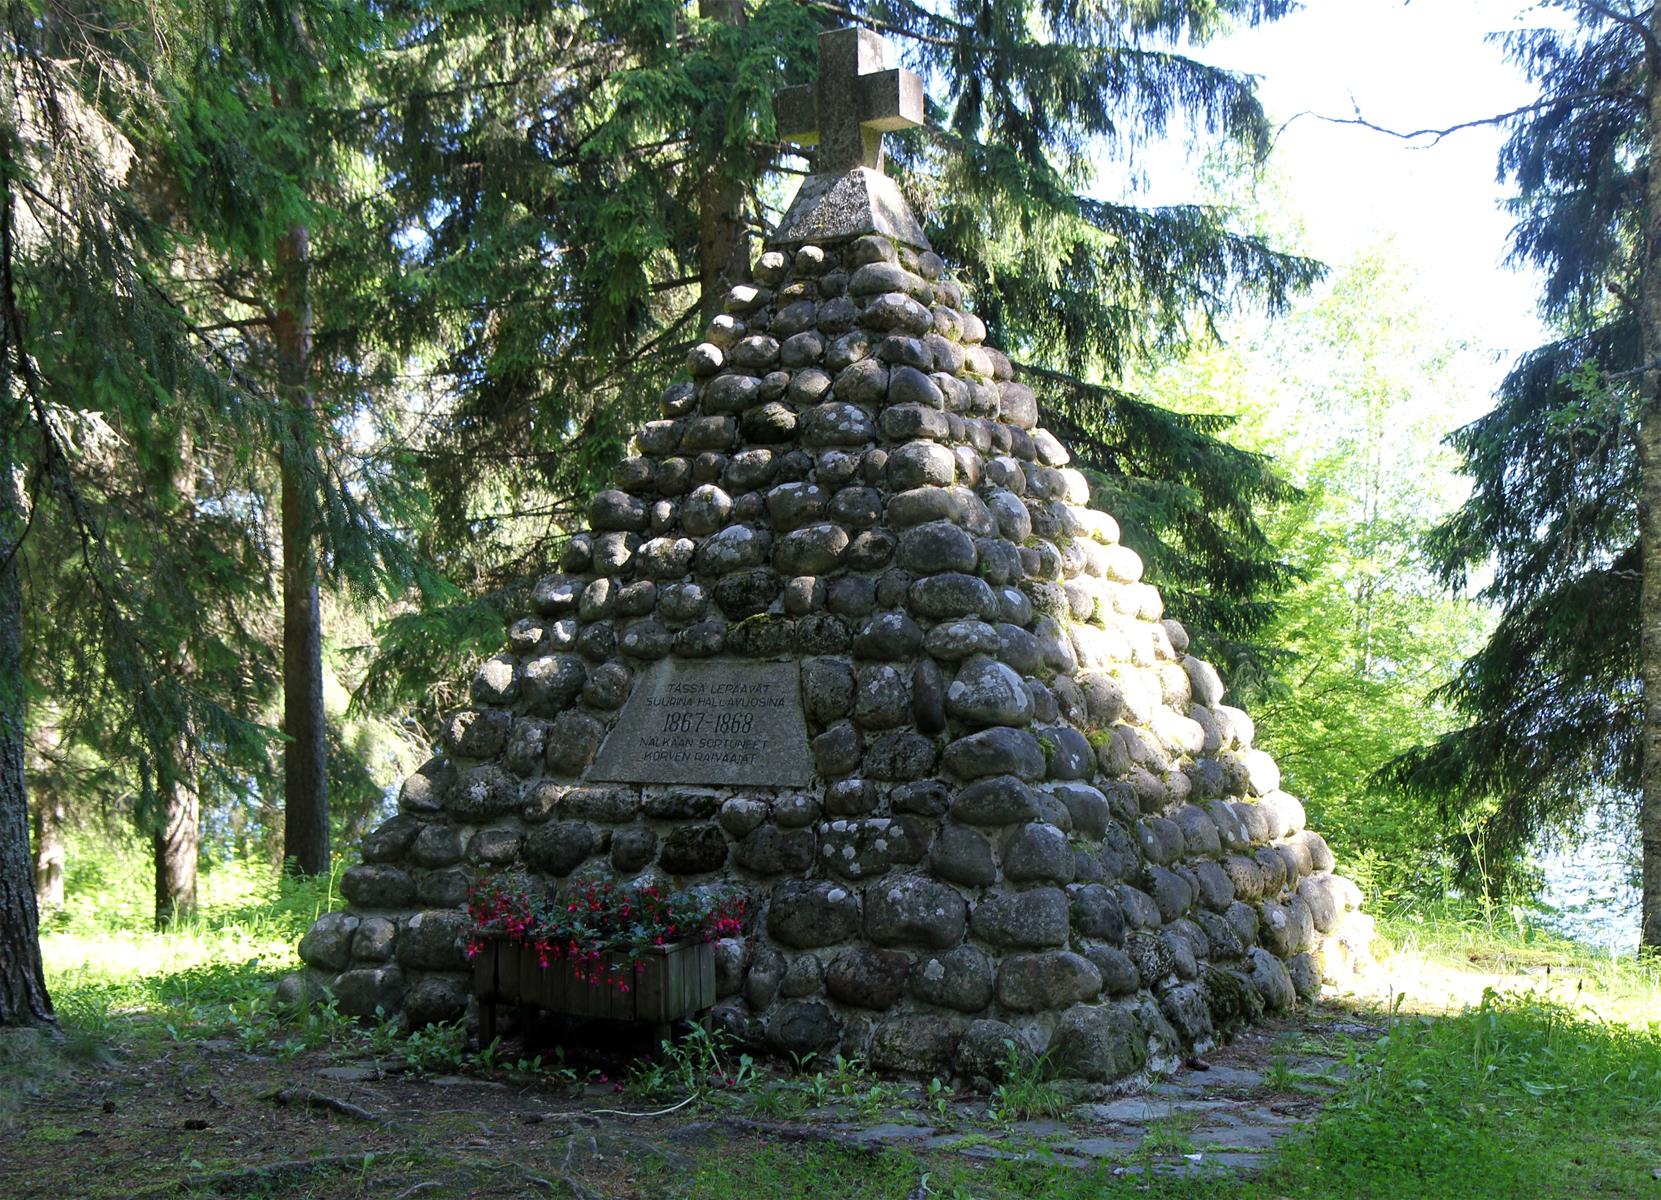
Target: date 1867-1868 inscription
710 723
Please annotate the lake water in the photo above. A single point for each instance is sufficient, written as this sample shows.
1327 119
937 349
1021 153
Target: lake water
1591 887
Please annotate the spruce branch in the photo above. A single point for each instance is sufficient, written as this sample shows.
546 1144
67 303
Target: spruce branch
1633 24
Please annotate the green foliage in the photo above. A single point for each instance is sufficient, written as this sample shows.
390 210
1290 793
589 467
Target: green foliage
1549 709
214 971
119 421
158 156
440 1048
701 1060
109 893
1026 1090
1351 392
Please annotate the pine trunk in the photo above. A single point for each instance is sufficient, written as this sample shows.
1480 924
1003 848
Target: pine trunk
305 753
1649 529
49 850
176 844
723 239
48 808
23 996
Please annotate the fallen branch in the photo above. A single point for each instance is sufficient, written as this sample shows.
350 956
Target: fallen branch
662 1112
417 1188
248 1178
310 1099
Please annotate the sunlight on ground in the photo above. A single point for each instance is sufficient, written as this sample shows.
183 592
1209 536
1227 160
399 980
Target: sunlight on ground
74 958
1445 969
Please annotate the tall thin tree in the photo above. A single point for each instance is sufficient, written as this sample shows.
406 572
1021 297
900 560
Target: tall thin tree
1563 705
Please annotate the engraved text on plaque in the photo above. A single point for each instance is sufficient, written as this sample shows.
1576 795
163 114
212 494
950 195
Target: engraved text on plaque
716 723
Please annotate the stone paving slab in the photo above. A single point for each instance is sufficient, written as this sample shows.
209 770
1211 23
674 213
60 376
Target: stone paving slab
891 1132
1136 1110
1228 1117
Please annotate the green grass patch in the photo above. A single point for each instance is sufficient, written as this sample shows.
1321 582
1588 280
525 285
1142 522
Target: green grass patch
109 972
1519 1097
1467 939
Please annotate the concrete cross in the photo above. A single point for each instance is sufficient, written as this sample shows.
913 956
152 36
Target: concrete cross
852 103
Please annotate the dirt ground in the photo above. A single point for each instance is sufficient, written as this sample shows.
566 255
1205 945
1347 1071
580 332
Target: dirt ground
209 1118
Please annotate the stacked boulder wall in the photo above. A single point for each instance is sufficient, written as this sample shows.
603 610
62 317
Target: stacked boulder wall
846 635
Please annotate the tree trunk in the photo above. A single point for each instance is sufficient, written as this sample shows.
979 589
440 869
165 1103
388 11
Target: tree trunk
723 238
176 826
305 754
23 996
41 766
49 849
176 843
1649 523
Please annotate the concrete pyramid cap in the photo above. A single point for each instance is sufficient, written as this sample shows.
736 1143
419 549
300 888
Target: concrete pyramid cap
836 208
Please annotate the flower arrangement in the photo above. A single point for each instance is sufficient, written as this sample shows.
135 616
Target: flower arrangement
601 928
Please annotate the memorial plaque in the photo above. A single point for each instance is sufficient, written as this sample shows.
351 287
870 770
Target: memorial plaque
715 723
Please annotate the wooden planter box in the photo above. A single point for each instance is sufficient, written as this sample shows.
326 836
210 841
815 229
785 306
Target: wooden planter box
667 983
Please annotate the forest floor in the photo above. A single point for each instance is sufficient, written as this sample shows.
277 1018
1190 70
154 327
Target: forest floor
1472 1062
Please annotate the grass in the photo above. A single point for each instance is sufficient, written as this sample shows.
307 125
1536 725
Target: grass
1516 1066
106 966
1443 957
1027 1091
1517 1097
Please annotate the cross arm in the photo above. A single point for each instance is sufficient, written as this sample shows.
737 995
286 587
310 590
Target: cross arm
795 109
890 100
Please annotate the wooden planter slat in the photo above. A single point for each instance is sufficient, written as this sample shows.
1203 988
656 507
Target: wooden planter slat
667 983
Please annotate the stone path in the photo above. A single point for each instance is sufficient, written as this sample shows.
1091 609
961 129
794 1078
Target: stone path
1232 1113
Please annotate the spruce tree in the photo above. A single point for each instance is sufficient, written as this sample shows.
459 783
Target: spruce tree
554 181
100 584
266 149
1562 707
150 178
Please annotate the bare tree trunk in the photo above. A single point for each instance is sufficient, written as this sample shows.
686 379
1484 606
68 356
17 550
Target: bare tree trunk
723 240
176 844
49 849
23 996
305 754
41 766
1649 523
176 832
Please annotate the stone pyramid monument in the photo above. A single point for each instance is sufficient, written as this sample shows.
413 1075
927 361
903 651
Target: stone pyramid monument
847 635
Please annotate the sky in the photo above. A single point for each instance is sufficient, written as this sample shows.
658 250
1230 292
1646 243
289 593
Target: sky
1404 66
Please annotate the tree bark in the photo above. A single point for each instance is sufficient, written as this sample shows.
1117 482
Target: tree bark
305 753
176 828
23 996
176 844
49 850
48 807
723 238
1649 518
